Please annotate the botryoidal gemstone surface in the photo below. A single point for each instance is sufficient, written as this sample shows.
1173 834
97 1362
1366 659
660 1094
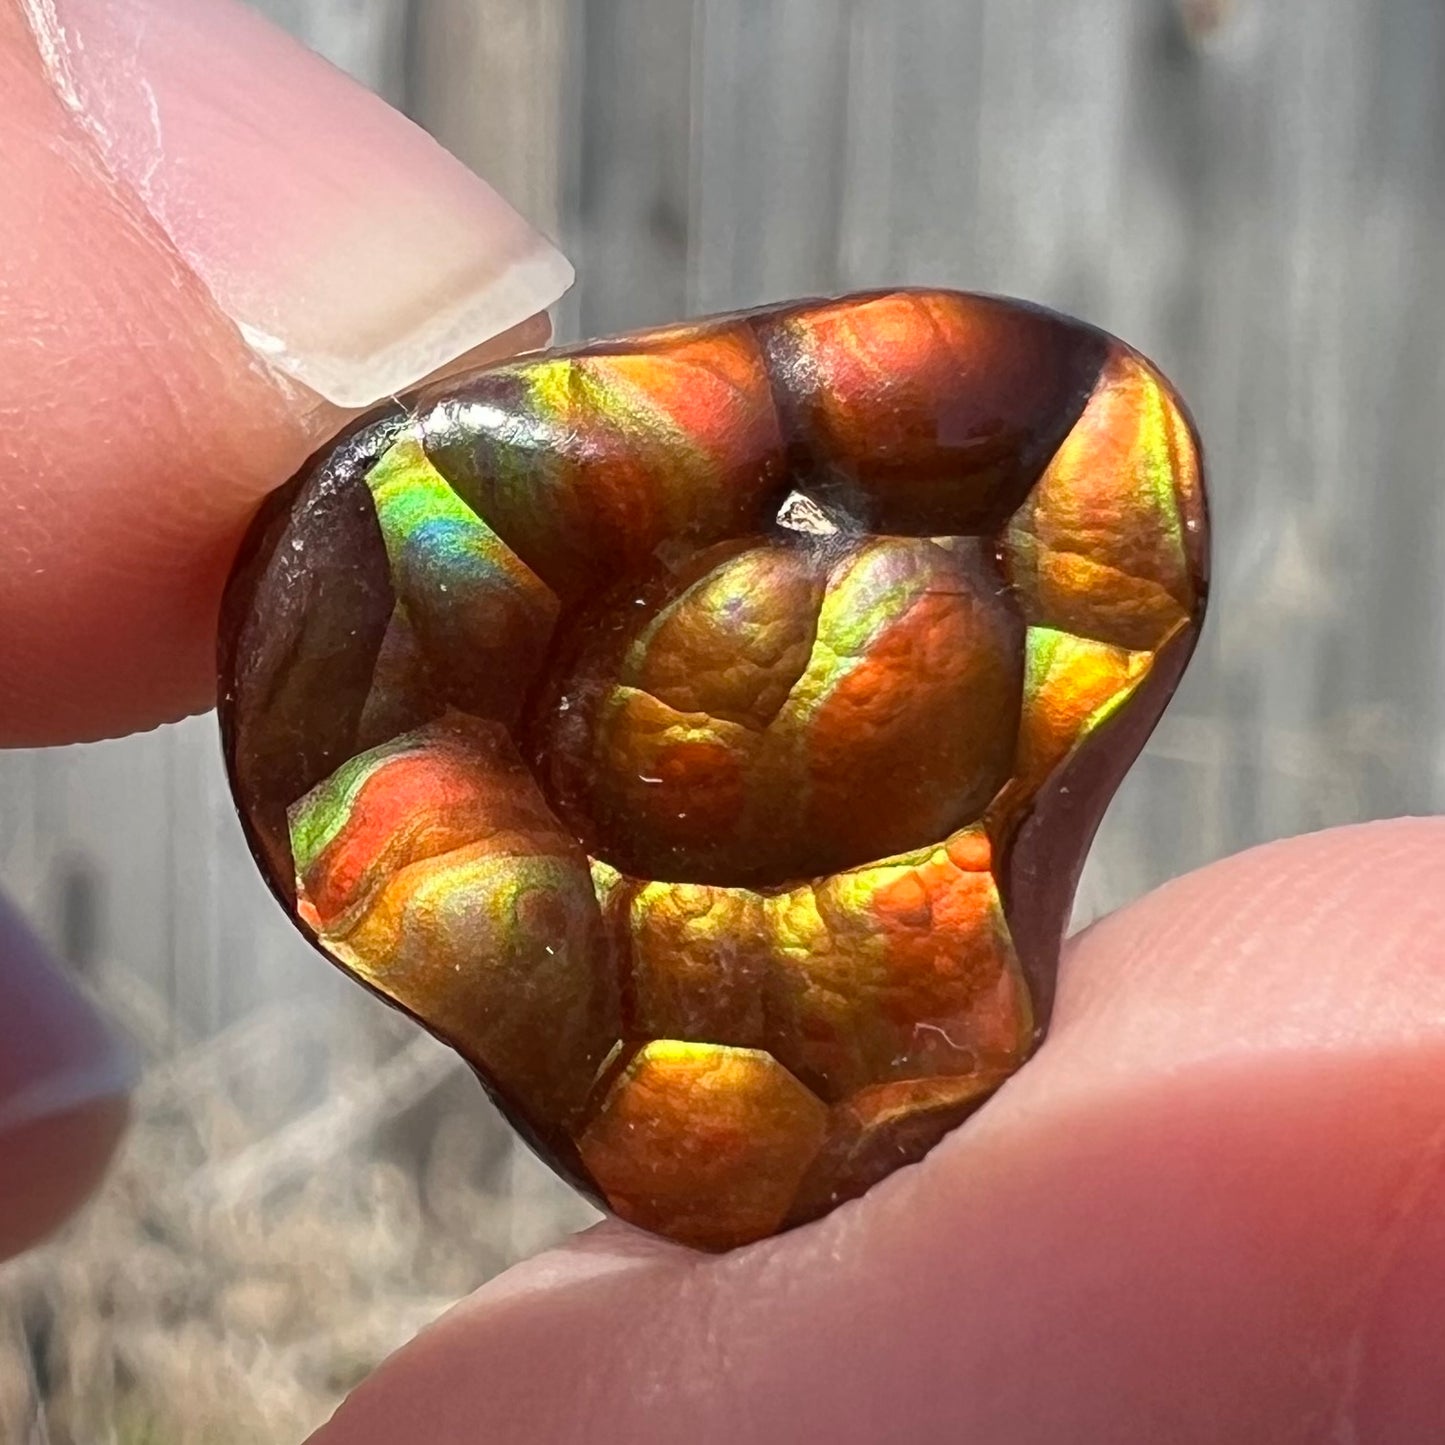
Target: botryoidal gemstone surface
702 731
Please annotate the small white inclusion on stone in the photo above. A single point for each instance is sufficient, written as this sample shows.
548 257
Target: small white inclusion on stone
802 514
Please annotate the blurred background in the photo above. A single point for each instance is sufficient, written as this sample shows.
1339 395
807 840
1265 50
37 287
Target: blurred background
1251 192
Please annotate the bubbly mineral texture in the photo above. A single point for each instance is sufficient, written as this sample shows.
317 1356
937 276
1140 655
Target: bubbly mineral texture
702 731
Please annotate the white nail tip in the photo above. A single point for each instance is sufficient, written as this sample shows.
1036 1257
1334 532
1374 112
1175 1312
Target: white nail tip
529 285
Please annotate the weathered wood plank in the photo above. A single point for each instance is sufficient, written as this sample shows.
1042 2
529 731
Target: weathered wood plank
770 134
365 38
629 222
487 81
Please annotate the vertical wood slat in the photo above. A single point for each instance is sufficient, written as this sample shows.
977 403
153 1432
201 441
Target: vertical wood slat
365 38
578 113
914 106
629 222
487 81
770 126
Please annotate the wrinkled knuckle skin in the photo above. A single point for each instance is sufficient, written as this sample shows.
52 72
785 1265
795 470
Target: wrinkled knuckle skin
702 731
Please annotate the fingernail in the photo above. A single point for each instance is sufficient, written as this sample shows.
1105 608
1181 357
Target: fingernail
351 250
56 1054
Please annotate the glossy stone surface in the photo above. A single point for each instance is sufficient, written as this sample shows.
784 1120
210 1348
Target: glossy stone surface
702 731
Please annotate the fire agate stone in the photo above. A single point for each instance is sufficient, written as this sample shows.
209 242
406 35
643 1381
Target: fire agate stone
702 731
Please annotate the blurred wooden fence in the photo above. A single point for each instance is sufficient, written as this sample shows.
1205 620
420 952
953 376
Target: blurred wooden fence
1251 192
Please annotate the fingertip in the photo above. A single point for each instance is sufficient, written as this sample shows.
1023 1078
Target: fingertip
1332 936
51 1166
1209 1209
64 1078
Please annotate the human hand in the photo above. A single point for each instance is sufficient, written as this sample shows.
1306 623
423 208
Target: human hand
183 178
1208 1209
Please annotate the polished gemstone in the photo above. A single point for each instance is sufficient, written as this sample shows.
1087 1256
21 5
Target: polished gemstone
702 731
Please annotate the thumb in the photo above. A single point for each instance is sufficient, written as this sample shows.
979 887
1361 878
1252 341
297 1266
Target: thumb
225 245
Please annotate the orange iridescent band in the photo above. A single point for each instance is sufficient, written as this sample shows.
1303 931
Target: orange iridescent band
702 731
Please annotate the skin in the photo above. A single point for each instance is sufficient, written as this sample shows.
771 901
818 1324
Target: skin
1212 1208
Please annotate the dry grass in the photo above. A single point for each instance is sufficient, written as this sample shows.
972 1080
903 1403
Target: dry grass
298 1195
